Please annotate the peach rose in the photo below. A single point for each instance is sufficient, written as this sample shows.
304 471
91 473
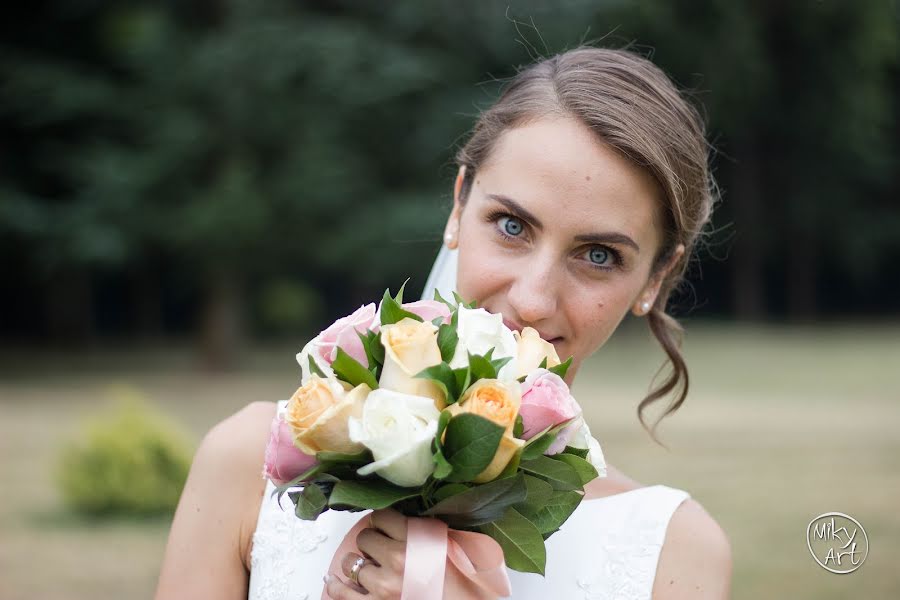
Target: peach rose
318 413
498 401
531 349
409 347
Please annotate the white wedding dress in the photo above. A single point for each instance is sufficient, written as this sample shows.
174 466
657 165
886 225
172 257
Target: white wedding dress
607 550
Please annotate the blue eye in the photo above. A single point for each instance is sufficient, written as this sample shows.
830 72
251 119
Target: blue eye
511 226
599 255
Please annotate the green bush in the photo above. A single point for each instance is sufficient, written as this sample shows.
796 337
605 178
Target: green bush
133 461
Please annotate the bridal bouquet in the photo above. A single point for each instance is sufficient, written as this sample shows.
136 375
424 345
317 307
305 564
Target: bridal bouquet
436 409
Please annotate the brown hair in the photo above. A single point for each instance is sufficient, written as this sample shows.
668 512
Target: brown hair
634 108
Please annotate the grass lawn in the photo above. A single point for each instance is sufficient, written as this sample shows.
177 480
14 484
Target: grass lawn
782 424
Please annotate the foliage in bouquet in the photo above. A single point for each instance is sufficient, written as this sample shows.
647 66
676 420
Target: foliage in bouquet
436 409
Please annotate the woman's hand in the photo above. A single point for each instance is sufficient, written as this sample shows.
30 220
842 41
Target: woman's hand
384 542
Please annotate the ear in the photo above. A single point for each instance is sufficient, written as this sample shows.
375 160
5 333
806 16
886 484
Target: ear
648 295
451 230
457 187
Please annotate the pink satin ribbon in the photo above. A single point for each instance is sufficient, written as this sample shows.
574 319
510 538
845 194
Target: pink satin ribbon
592 488
430 545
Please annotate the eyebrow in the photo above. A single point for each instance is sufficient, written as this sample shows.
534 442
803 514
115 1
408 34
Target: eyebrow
609 237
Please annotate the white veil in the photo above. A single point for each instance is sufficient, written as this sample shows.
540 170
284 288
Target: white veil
443 275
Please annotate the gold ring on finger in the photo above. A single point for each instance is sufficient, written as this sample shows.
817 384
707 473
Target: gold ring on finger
354 570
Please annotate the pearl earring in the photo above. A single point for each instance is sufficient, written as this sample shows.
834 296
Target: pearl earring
450 240
645 307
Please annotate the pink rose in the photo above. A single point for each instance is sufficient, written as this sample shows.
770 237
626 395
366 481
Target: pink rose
429 309
284 460
343 333
547 402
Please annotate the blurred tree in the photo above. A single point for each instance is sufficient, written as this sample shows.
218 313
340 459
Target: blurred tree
229 145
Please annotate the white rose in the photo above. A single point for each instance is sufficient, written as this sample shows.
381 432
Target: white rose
398 429
479 331
584 440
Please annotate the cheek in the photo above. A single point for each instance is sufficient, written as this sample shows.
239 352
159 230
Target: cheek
596 313
481 273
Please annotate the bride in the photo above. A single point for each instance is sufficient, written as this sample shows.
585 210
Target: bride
579 198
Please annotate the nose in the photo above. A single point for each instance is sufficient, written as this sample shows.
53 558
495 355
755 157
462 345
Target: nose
534 292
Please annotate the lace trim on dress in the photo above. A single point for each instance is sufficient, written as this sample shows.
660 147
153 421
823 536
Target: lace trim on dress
280 536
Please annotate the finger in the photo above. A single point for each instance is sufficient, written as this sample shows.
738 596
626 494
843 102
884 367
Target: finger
391 522
384 550
338 590
347 564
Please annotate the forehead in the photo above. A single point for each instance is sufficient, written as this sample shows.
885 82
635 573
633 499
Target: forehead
558 169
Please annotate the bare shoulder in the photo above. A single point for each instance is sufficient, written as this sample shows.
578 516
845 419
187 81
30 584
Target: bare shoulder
236 445
241 436
216 515
695 561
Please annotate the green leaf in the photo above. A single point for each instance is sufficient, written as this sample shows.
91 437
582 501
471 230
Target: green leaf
443 376
309 503
543 364
481 367
538 490
579 452
480 503
399 296
555 472
369 493
391 309
519 427
307 475
378 349
439 298
350 370
332 458
470 443
314 368
522 543
463 376
447 341
562 369
585 470
537 445
451 489
549 512
443 421
369 339
442 468
499 363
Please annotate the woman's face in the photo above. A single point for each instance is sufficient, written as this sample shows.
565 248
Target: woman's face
558 233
